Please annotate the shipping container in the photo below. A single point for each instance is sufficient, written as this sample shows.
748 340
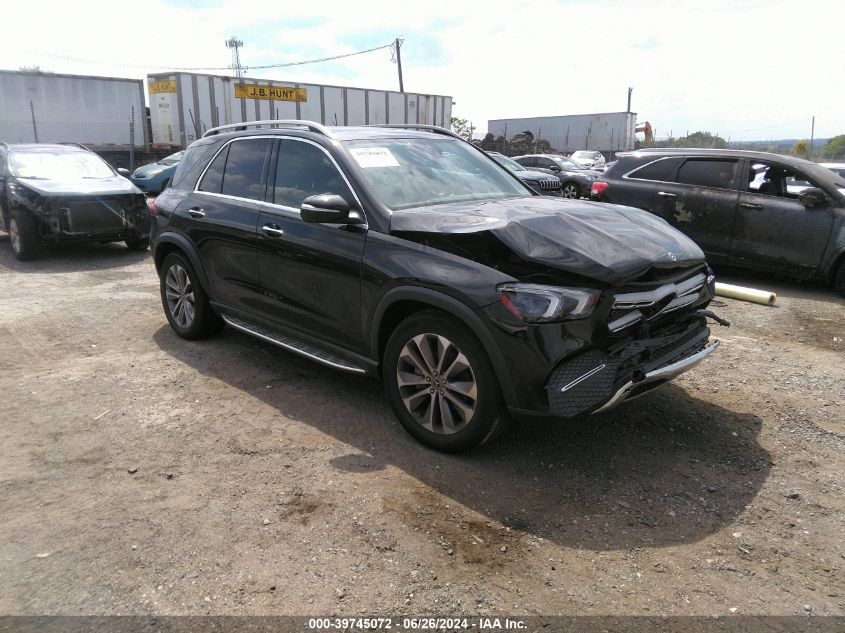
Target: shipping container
184 105
55 108
605 132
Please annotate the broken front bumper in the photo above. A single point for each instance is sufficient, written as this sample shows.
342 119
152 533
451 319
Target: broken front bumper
656 377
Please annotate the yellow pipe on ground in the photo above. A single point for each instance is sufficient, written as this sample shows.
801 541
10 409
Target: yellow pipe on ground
746 294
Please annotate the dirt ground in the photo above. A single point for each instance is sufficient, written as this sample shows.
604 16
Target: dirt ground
266 484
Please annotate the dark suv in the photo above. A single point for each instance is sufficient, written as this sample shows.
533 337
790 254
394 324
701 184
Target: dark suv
66 193
411 256
743 208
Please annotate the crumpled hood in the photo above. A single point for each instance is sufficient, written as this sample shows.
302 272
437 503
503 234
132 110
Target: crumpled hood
82 187
608 243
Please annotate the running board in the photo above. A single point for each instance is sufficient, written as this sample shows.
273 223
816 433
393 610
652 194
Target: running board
292 345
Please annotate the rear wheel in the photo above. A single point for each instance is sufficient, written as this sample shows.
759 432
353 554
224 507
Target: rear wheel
185 301
571 190
839 278
141 244
441 384
23 235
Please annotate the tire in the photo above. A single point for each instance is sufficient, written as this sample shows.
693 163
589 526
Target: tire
185 301
571 190
839 278
464 423
23 236
141 244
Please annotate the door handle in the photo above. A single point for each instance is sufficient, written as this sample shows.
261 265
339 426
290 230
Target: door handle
666 194
751 205
272 230
196 212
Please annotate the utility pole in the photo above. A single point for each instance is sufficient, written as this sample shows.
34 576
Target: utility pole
812 134
132 140
630 90
34 129
398 55
235 44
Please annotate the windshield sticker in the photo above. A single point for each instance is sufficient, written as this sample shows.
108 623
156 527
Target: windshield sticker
368 157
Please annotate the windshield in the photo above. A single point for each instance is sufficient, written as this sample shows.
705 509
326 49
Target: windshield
504 161
58 165
171 160
582 155
568 163
414 172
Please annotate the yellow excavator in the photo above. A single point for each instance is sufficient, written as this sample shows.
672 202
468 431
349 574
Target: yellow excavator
646 129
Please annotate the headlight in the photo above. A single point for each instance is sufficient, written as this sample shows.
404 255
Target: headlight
154 173
533 183
543 304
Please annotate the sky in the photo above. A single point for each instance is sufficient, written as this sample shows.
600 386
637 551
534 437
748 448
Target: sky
745 69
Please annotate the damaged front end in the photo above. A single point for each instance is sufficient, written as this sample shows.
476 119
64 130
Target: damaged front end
596 309
73 217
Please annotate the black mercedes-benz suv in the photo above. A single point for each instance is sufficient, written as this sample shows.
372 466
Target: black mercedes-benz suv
407 254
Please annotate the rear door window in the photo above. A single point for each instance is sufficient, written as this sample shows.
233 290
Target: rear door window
244 174
528 161
719 174
661 169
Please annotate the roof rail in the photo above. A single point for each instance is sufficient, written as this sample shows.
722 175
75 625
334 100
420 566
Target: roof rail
79 145
278 123
436 129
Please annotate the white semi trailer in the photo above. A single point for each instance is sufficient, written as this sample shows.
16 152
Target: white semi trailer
183 105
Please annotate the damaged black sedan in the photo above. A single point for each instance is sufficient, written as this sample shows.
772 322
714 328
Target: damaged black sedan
66 193
410 256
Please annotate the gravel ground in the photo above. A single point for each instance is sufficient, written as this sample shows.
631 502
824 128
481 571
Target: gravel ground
143 474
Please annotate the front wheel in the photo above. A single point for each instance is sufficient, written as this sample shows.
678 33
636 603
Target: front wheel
571 190
23 234
185 301
441 384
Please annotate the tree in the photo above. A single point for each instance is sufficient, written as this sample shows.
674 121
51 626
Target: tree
462 127
33 69
701 139
801 148
834 148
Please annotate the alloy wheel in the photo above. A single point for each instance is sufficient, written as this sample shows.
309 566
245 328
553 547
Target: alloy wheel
570 191
15 236
180 295
436 383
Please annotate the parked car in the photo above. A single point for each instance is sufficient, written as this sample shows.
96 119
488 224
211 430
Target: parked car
837 168
66 193
576 179
411 256
588 158
750 209
154 177
543 183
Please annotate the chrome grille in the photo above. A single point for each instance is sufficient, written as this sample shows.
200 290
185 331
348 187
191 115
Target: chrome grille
549 184
646 305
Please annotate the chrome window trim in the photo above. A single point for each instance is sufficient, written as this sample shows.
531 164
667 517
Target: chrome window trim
627 175
264 203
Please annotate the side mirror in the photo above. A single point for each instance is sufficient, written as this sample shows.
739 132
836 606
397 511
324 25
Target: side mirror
123 172
813 197
327 208
554 168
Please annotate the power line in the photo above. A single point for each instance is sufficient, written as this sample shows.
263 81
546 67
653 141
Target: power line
183 68
770 127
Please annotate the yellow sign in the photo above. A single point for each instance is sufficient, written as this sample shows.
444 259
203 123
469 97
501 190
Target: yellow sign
162 86
274 93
